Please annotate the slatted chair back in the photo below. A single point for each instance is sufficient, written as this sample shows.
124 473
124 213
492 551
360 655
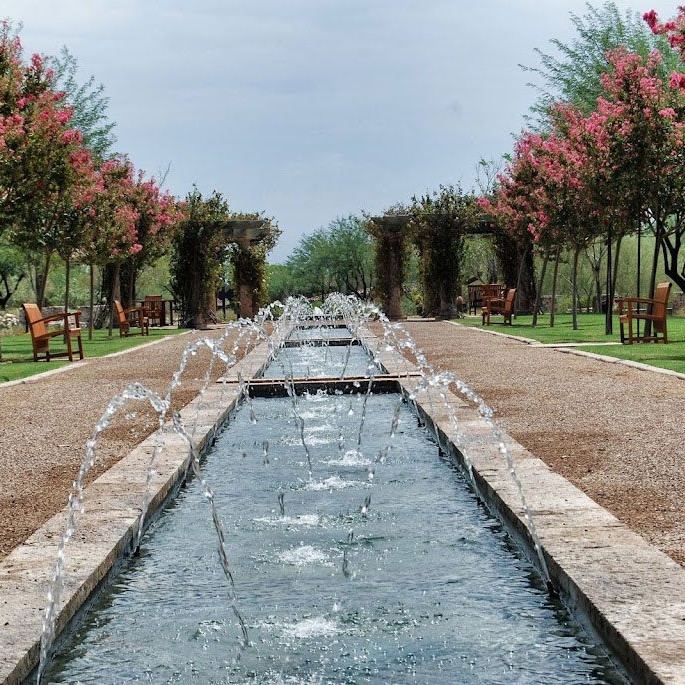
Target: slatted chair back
660 306
121 315
492 290
41 334
153 308
34 319
508 308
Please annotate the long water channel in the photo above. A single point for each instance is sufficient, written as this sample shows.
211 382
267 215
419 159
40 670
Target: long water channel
380 567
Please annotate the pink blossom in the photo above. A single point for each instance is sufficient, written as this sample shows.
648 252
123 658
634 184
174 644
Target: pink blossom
72 136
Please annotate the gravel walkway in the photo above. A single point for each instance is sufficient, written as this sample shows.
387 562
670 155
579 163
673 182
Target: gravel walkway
45 423
613 431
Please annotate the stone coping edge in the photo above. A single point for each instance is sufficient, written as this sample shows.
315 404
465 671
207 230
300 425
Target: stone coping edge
106 530
625 591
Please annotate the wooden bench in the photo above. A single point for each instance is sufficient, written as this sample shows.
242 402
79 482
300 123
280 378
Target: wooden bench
41 335
499 305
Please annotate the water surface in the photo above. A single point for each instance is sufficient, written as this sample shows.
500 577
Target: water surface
382 568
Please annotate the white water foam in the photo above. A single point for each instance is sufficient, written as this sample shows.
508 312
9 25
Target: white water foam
332 483
303 556
312 627
312 440
350 458
303 520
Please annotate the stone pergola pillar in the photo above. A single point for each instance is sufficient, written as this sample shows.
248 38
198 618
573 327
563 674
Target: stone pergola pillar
245 233
390 235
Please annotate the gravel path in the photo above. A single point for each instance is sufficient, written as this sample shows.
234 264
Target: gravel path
613 431
45 423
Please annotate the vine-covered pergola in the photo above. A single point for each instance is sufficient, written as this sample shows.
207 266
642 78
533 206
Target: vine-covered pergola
245 234
204 244
392 232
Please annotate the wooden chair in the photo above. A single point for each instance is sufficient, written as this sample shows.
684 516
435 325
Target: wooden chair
153 309
499 305
478 293
126 320
41 334
657 310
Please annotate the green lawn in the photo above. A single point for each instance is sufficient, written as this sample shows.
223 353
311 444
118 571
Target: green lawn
17 354
591 330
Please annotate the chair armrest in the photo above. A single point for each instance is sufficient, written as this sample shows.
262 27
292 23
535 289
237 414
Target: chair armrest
128 310
638 300
63 316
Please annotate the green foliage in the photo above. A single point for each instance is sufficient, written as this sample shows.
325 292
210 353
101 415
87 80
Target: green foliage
197 255
12 272
280 282
439 222
89 103
248 266
572 73
335 258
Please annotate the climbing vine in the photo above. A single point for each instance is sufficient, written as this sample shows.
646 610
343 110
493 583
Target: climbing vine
439 222
197 254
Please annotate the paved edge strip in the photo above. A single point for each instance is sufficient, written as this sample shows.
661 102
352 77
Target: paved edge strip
628 593
106 530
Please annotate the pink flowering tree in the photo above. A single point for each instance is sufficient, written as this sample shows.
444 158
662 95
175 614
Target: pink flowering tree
666 208
112 229
41 156
159 214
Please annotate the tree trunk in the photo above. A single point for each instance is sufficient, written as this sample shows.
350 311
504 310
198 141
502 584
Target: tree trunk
115 294
609 314
574 280
614 275
42 279
67 279
655 265
91 322
538 292
553 308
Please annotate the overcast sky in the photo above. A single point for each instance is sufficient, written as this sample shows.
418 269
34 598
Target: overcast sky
308 109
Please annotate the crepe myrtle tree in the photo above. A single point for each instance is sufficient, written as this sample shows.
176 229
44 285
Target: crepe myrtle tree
42 157
112 231
158 215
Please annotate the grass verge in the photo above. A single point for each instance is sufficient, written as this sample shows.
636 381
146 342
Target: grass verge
17 352
591 330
